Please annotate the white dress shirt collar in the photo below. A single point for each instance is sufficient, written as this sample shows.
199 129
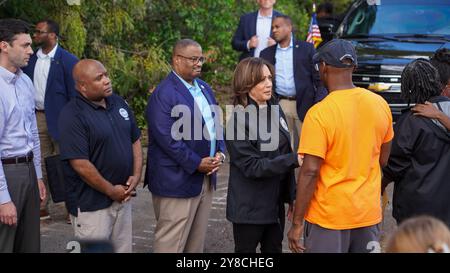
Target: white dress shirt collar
51 54
260 16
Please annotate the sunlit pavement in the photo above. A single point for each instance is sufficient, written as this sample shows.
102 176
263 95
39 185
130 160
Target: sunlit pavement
56 233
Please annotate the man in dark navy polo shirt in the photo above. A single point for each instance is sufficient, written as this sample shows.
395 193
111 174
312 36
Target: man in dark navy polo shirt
101 149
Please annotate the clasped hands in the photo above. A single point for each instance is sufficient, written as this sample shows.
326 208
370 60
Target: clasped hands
210 165
123 193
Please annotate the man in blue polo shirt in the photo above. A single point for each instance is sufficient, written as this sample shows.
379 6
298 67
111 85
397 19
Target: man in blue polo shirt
101 149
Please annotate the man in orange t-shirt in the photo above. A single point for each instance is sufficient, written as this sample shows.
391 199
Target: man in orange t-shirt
345 140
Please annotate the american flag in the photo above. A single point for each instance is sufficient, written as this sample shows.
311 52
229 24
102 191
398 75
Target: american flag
314 36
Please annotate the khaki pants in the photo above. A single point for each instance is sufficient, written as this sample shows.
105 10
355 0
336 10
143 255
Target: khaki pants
182 222
49 147
289 108
113 224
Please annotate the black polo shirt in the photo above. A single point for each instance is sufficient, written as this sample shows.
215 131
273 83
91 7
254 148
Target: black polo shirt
102 136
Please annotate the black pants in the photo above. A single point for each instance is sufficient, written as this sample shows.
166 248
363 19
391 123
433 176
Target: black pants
24 192
248 236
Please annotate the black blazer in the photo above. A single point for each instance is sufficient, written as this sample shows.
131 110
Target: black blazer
260 181
245 31
308 86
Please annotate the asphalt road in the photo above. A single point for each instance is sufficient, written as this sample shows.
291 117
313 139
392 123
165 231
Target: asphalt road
56 234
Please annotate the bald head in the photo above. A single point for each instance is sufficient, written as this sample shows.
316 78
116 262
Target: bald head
84 68
91 80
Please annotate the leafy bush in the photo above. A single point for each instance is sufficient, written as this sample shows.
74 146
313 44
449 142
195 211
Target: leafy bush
134 38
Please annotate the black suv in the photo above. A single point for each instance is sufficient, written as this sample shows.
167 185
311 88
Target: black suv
388 34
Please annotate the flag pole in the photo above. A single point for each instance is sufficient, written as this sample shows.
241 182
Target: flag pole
314 36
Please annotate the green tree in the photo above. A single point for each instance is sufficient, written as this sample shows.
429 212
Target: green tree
134 38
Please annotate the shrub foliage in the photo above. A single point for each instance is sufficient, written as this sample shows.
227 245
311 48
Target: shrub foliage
133 38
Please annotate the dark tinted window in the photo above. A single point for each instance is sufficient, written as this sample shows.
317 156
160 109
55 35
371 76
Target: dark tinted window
400 17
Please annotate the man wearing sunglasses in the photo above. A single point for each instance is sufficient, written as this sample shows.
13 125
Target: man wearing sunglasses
181 171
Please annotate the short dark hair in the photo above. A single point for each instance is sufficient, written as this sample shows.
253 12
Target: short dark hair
182 44
52 26
286 18
9 28
420 81
325 7
441 60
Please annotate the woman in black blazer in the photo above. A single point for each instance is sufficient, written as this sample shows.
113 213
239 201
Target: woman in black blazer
262 162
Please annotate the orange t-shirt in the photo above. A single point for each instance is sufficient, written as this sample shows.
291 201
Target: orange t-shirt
347 130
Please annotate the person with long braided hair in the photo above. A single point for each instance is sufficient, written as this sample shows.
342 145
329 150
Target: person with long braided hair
419 163
441 61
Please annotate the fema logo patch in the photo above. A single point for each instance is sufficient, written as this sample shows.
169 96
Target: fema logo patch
124 114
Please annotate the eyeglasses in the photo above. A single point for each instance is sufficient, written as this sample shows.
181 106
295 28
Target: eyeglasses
40 32
194 60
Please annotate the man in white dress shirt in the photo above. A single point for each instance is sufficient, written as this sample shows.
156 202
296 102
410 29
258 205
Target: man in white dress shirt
50 69
254 31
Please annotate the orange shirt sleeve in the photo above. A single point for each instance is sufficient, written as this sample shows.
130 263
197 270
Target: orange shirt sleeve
313 139
390 131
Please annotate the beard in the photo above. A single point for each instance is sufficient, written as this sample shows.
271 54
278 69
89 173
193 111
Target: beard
39 43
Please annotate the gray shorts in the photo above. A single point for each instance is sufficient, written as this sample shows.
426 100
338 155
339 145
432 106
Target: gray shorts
357 240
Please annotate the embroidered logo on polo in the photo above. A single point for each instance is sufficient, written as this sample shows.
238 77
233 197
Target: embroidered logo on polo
124 114
284 124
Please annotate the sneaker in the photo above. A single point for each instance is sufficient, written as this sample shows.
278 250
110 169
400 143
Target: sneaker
44 215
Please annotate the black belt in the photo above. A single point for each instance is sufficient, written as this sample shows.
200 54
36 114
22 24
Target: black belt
18 159
280 97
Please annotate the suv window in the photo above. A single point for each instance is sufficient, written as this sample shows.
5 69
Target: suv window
399 17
